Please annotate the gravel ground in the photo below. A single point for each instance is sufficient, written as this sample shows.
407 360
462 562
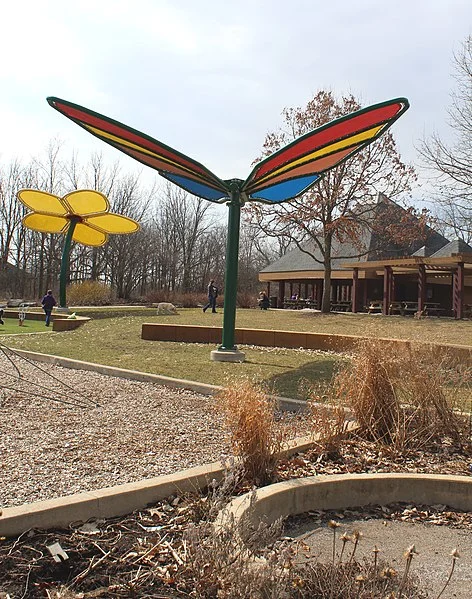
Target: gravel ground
139 430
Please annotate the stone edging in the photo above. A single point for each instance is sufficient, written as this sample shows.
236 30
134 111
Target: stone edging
284 403
347 490
120 499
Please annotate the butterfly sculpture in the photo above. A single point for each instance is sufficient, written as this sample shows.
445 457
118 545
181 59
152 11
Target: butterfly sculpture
280 177
283 176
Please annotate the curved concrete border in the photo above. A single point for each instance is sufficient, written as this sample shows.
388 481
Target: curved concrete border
347 490
120 499
284 403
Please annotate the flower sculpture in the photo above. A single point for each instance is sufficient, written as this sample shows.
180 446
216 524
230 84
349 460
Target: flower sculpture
82 216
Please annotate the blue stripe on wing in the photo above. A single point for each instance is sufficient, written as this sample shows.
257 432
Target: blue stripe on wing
287 190
197 189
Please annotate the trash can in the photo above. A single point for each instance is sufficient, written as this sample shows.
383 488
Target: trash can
273 301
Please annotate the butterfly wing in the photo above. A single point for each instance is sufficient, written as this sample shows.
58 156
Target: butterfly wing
296 167
178 168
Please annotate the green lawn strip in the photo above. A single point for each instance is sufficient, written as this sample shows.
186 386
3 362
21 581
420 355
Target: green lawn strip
117 342
433 330
11 326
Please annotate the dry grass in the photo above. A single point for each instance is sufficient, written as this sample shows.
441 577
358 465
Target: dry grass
404 400
220 566
255 438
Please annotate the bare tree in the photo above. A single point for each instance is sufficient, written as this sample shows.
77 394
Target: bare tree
332 209
189 219
450 164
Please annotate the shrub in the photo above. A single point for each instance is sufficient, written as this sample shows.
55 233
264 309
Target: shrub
246 300
89 293
255 438
402 399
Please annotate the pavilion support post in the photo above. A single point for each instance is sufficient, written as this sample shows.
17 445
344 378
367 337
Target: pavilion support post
459 291
268 290
281 294
421 287
454 293
291 289
387 290
355 290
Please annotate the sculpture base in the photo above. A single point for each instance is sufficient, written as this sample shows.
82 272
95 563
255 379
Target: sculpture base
227 355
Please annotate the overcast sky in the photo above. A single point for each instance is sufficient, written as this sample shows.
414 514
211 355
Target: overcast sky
211 78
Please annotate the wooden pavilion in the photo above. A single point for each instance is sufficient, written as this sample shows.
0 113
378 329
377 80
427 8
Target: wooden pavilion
432 276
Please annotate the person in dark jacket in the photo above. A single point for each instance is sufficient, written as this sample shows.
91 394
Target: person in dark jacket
212 295
264 302
48 302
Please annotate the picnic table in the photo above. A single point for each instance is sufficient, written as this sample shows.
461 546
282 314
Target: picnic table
299 304
410 308
407 307
375 307
343 306
434 309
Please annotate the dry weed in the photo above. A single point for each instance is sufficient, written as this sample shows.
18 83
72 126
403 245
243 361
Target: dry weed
255 438
405 400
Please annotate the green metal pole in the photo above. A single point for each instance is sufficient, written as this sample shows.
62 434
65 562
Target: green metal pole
65 263
231 275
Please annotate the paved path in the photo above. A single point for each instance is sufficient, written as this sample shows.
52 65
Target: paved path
433 544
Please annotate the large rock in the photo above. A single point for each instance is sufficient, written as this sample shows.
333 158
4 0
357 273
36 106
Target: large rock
165 309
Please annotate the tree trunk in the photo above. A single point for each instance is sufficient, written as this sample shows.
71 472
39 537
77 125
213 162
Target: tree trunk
326 301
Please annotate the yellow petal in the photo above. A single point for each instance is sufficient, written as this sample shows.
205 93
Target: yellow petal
113 223
88 236
86 201
41 201
46 223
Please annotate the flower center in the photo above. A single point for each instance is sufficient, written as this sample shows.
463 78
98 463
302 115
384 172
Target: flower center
74 218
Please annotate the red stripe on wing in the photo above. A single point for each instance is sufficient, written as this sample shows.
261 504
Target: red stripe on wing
328 134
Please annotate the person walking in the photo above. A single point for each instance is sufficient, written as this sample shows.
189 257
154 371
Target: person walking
212 295
48 302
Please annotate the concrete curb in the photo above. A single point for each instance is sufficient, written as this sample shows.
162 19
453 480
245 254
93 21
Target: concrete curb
284 403
344 491
105 503
120 499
